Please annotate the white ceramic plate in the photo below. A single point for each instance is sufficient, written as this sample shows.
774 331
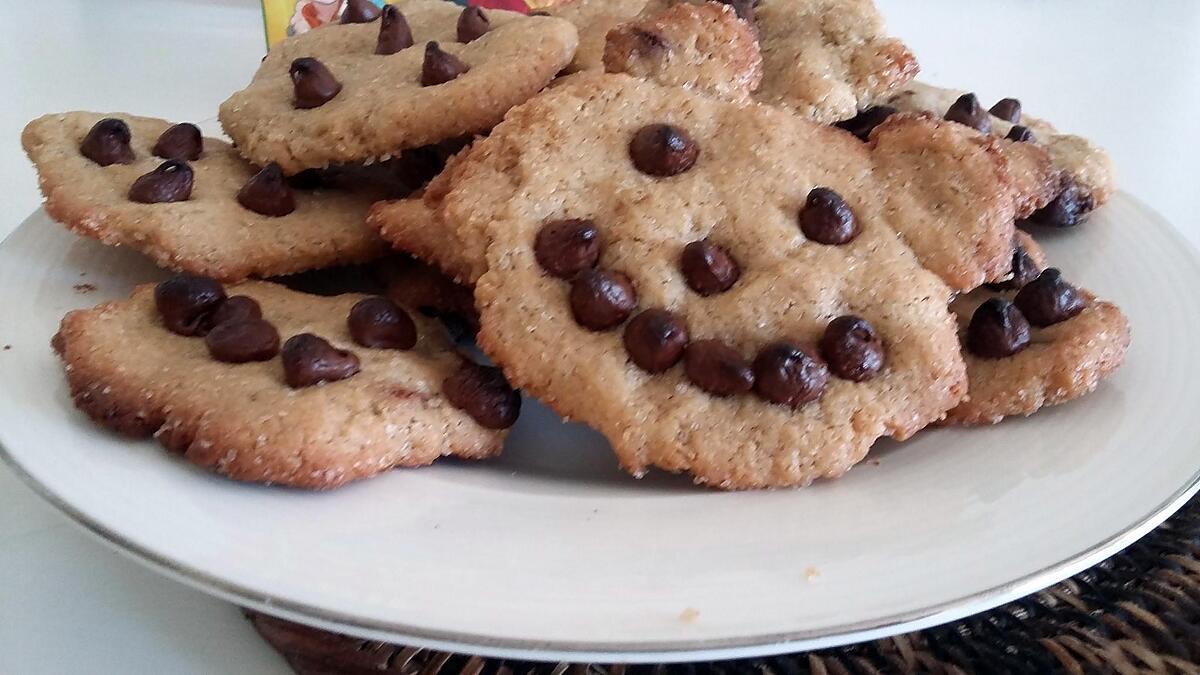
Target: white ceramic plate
551 552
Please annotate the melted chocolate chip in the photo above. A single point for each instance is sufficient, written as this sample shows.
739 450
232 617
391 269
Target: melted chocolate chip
655 340
966 110
1007 109
180 141
107 142
1049 299
484 394
862 124
312 84
852 348
268 193
394 33
1024 270
308 360
308 179
1067 209
381 324
440 67
360 11
1020 134
717 368
186 303
789 374
242 341
827 219
709 268
170 182
472 24
997 329
565 248
663 150
601 300
237 308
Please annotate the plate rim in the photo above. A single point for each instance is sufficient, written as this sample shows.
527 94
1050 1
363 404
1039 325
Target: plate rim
623 651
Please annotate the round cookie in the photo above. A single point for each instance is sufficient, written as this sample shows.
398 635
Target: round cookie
381 104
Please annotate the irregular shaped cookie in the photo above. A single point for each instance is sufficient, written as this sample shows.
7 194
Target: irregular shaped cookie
692 251
354 105
822 59
208 231
1088 168
1019 361
954 193
702 47
132 374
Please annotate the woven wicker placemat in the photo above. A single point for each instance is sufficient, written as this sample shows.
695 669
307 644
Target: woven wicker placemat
1137 612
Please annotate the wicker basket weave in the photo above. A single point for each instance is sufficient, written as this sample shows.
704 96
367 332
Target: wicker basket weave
1137 612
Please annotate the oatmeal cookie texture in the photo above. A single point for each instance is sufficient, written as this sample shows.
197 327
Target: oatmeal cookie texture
822 59
209 232
737 178
1061 362
1087 167
702 47
129 373
386 103
950 192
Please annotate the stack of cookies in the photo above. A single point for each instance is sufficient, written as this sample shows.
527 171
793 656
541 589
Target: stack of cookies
738 239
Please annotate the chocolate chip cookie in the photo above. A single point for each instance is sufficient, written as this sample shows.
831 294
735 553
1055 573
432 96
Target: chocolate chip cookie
191 203
418 74
260 383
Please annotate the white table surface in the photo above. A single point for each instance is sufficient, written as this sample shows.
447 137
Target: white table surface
1124 74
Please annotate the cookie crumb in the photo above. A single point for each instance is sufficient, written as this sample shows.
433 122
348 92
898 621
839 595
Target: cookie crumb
84 288
689 615
811 573
876 462
7 347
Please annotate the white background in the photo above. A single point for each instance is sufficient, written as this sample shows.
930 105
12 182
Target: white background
1126 74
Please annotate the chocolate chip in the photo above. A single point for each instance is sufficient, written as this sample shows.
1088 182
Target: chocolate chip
648 42
997 329
789 374
1007 109
107 142
1024 270
565 248
717 368
862 124
360 11
186 303
852 348
1021 134
663 150
308 360
966 110
180 141
394 33
709 268
472 24
267 193
237 308
312 84
484 394
242 341
539 12
655 340
1049 299
170 182
601 300
440 67
827 219
1067 209
381 324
